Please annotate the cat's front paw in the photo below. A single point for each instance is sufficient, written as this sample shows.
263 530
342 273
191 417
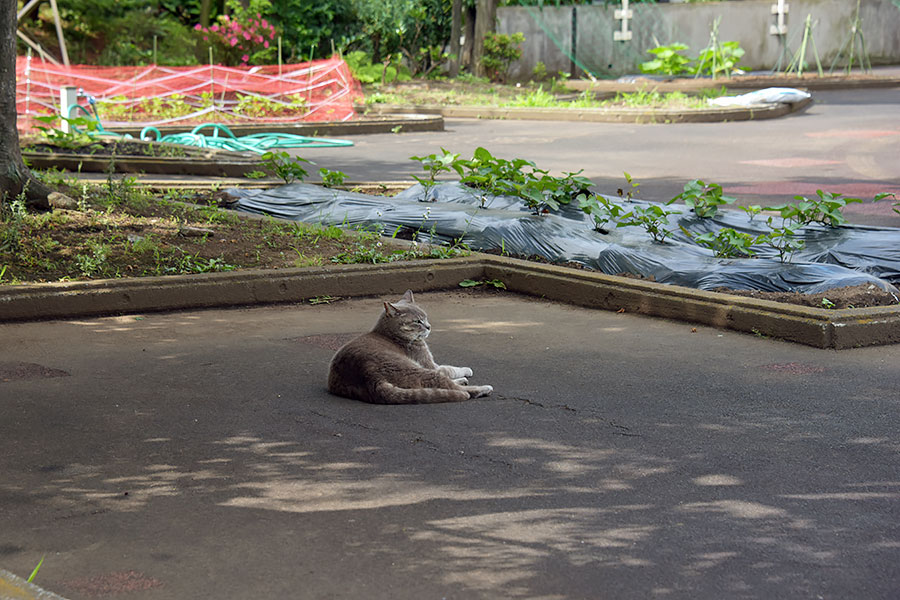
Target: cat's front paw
456 372
480 391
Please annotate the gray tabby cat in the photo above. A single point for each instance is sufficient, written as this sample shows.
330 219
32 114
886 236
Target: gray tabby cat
392 364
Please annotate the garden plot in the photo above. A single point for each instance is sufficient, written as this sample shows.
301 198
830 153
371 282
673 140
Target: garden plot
453 213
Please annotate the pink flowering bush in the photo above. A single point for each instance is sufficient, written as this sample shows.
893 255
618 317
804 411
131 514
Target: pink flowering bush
239 40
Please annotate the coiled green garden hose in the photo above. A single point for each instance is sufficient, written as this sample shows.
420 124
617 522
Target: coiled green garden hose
259 143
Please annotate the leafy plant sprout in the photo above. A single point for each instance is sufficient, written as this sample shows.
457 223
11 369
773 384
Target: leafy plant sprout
285 166
826 209
331 179
628 194
434 165
704 199
783 240
727 242
600 209
653 218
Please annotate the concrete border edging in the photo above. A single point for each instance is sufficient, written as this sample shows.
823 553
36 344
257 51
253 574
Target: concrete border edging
601 115
816 327
13 587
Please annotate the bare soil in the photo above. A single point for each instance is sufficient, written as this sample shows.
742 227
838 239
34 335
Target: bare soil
857 296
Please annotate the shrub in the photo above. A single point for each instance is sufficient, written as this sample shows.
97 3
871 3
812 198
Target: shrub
667 60
239 40
500 50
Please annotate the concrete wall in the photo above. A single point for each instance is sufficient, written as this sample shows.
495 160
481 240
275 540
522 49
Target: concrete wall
747 21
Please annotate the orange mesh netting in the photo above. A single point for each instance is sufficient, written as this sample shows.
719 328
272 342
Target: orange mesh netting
321 90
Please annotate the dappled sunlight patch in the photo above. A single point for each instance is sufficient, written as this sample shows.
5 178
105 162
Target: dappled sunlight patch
484 326
348 493
740 509
508 548
717 480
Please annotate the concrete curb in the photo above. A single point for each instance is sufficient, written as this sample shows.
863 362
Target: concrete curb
602 115
816 327
13 587
406 120
738 82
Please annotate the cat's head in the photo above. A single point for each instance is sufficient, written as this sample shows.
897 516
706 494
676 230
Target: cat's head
405 319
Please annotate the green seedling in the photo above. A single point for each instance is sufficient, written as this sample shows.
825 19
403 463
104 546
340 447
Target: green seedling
495 283
727 243
752 210
667 60
653 218
284 166
434 165
601 211
704 199
783 240
825 209
331 179
35 572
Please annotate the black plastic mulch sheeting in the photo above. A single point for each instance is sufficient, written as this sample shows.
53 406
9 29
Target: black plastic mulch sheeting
832 257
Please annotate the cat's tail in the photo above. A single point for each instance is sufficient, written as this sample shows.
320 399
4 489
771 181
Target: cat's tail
388 393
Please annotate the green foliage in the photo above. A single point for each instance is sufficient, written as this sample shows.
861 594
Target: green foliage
239 39
500 50
77 136
331 178
94 261
285 166
538 98
653 218
667 60
494 175
727 242
35 571
718 59
112 32
703 198
12 224
783 240
363 69
494 283
388 27
600 209
261 106
752 210
370 249
628 193
883 195
309 28
118 32
826 209
518 177
434 165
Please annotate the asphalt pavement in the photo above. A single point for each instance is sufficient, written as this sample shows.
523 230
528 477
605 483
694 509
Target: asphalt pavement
198 455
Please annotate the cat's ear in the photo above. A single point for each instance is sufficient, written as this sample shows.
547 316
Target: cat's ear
408 297
390 310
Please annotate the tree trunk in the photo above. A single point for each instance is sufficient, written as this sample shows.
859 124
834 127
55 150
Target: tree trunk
468 37
14 175
485 21
205 7
455 31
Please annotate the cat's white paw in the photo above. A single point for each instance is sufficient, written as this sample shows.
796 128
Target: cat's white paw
455 372
461 381
481 391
